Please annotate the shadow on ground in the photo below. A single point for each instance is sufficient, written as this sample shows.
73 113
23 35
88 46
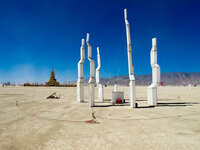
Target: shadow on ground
159 104
175 104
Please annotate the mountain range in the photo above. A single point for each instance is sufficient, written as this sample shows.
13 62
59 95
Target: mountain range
171 78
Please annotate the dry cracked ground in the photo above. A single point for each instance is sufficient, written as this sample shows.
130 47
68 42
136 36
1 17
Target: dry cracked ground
28 121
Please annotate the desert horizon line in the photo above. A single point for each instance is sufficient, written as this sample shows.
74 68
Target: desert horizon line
67 80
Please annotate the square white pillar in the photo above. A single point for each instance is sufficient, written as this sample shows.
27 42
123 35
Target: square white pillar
132 93
91 94
152 95
80 92
100 93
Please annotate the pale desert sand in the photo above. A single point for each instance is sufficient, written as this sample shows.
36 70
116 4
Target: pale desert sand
35 123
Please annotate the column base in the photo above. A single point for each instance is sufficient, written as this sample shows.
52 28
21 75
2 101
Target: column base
132 94
80 92
100 93
152 95
91 95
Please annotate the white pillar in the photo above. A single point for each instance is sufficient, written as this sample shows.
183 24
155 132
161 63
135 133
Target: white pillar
101 92
115 87
132 93
152 89
80 82
99 85
98 67
130 63
152 95
91 95
92 70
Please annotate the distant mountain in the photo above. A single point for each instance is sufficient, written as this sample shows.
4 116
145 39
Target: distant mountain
171 78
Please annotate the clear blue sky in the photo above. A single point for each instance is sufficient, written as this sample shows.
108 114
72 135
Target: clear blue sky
40 34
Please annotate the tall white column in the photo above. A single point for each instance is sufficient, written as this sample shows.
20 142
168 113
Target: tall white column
92 70
99 85
115 87
130 63
80 82
152 89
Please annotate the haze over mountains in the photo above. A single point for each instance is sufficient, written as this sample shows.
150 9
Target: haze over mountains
171 78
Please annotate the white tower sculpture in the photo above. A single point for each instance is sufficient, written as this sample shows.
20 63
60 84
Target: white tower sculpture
99 85
130 64
152 89
92 70
80 82
115 87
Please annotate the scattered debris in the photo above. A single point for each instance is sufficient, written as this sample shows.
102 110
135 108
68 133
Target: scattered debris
93 120
93 116
92 113
53 96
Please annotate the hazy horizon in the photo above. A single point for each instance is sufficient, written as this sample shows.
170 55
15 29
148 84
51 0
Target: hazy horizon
30 75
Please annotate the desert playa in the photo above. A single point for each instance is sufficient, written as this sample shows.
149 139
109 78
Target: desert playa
29 121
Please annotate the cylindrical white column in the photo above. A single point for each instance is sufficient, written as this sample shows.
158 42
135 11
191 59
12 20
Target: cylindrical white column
91 81
130 63
80 81
91 95
100 93
98 67
152 89
152 95
80 92
99 86
115 87
132 93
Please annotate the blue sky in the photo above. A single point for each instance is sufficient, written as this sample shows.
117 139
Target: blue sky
38 35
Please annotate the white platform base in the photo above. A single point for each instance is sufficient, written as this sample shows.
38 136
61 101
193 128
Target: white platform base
116 95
